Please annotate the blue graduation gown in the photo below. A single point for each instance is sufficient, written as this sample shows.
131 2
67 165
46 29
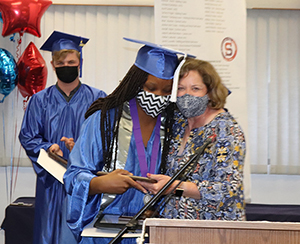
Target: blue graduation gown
87 156
49 117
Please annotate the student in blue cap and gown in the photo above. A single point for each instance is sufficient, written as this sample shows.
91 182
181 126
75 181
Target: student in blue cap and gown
52 121
122 135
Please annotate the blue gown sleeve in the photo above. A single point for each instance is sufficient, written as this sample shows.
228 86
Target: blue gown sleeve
85 157
32 129
101 94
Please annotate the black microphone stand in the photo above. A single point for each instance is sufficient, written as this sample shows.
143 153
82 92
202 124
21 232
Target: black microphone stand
132 223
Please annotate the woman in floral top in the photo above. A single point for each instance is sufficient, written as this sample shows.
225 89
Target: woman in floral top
214 190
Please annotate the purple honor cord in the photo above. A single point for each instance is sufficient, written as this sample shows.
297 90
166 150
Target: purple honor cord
139 140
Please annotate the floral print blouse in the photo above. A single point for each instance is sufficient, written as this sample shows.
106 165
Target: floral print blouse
218 174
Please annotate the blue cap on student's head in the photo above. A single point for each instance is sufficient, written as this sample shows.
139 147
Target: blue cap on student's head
58 41
161 62
156 60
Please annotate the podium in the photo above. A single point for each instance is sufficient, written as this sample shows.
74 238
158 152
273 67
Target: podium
221 232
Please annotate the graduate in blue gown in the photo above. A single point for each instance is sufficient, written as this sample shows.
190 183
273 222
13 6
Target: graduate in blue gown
122 135
52 121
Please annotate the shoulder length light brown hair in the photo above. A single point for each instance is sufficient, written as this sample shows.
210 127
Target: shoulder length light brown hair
216 91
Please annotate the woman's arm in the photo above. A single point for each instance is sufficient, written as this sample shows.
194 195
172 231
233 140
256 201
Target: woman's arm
190 189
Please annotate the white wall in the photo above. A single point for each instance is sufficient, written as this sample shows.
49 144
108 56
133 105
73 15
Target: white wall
275 189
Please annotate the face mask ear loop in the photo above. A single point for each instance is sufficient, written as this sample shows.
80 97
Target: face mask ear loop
175 80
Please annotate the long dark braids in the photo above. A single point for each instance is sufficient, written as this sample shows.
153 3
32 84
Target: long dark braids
128 88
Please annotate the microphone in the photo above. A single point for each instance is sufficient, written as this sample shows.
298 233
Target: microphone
209 140
195 157
131 225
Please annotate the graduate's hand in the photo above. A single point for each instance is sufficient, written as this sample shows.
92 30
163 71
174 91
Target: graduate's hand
153 188
56 149
69 142
190 188
116 182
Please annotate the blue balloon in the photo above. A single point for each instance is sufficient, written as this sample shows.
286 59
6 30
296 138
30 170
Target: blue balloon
8 73
12 38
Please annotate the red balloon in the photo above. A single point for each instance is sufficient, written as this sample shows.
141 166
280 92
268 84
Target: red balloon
32 71
22 16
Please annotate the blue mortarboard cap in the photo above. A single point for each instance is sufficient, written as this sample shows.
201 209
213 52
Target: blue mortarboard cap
161 62
58 41
156 60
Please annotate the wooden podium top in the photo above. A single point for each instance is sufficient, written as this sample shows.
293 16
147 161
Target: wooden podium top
177 231
221 224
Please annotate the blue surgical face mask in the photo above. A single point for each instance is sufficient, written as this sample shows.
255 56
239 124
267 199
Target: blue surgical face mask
152 104
192 106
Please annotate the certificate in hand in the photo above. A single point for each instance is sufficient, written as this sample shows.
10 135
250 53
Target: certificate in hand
140 178
63 162
52 166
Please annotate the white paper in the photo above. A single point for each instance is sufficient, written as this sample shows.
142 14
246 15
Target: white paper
91 231
215 31
53 167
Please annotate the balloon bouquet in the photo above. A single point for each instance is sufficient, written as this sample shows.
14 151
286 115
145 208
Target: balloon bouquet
8 73
30 72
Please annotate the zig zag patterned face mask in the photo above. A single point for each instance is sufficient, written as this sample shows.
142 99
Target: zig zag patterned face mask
152 104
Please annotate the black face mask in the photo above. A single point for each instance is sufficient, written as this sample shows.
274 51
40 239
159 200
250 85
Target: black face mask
67 74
